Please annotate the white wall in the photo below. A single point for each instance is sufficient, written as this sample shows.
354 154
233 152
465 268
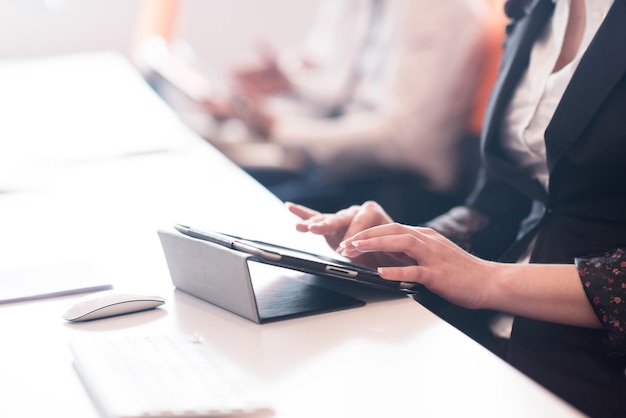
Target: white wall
221 30
44 27
226 31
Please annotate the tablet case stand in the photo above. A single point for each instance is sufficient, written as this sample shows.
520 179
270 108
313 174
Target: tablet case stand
238 283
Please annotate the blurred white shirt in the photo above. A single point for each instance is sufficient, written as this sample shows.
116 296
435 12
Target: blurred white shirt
412 104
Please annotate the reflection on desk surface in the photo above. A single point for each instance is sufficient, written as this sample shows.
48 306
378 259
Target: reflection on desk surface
61 111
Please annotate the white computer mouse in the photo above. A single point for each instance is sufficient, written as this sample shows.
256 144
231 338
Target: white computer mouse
109 304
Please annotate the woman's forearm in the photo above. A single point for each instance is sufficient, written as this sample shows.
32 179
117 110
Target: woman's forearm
548 292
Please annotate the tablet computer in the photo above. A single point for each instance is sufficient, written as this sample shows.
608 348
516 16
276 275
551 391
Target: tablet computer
298 260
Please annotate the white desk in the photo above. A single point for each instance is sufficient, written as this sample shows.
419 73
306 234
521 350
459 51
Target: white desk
391 358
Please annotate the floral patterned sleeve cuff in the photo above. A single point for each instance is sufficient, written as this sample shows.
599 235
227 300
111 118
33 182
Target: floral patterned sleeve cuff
604 280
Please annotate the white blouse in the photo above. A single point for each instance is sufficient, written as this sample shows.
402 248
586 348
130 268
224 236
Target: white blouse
540 90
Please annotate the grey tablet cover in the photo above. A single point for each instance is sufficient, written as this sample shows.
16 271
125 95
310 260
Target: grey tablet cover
225 277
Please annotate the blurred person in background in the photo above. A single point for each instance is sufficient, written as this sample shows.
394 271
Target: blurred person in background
380 97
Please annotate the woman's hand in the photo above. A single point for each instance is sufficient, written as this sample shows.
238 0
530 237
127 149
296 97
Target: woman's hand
344 224
429 259
367 235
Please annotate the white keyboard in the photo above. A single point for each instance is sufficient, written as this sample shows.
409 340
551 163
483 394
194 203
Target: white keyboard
164 377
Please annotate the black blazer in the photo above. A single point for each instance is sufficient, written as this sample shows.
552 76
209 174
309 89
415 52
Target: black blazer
583 213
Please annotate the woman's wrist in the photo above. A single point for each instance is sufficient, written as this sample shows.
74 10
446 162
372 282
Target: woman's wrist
548 292
497 284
